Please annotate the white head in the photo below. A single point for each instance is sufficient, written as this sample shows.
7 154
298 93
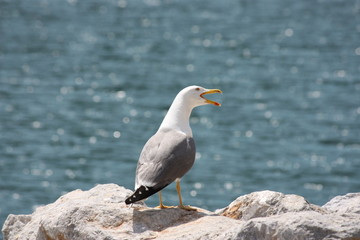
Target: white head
180 110
193 96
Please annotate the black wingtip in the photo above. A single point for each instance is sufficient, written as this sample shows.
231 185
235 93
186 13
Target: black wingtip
141 193
129 201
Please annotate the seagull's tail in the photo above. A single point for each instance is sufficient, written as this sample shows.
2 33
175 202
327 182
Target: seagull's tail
143 192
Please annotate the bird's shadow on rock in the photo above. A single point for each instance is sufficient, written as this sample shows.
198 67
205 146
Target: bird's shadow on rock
160 219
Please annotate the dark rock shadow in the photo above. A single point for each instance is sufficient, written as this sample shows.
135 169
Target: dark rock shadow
160 219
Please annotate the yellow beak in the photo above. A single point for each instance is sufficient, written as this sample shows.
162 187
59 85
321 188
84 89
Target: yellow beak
210 91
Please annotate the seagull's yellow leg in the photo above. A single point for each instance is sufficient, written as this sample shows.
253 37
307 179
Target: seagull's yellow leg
161 205
181 205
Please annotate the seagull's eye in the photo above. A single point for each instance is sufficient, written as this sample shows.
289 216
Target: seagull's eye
197 89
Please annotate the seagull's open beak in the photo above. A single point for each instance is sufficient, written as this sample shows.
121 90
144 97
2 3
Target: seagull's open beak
209 91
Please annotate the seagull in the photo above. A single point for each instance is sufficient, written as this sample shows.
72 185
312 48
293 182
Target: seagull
170 153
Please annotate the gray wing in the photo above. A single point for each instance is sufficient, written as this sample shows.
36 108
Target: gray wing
166 156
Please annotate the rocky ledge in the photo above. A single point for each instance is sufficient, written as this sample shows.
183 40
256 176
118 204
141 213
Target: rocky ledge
101 213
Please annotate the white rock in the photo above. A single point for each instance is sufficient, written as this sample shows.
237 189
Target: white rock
265 204
101 213
301 225
349 203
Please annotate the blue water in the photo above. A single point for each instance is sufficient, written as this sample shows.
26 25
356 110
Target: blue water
84 84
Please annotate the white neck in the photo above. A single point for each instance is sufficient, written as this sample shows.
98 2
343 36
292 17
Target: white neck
178 116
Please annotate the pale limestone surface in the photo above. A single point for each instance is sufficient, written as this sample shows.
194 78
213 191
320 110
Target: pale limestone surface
101 213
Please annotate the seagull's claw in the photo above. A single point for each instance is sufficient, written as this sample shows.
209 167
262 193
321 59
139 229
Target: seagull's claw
164 207
187 208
